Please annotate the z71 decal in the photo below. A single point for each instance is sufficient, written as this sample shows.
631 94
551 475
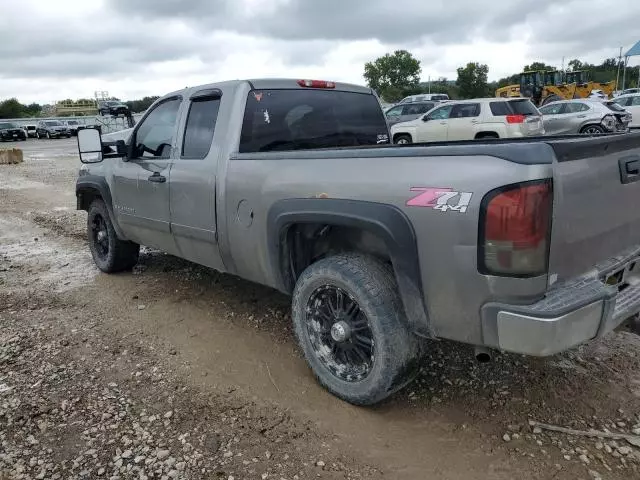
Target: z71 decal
443 199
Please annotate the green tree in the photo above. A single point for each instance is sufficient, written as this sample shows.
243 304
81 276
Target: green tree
536 66
393 76
11 108
575 64
472 80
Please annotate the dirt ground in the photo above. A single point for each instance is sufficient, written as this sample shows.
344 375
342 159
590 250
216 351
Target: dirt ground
176 371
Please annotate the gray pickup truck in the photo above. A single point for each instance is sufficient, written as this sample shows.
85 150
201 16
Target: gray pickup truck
529 246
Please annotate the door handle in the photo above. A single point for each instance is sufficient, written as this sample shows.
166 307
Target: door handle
157 178
581 116
443 123
629 169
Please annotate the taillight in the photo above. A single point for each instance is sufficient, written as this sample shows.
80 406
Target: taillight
515 118
316 84
515 227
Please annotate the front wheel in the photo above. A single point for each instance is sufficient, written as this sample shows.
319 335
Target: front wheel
48 136
109 253
403 139
350 323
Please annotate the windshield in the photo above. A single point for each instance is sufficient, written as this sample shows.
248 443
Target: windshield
7 125
53 123
308 119
72 122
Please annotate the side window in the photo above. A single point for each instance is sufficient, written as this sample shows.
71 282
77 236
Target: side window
465 110
155 135
201 123
441 113
576 107
635 101
551 109
395 112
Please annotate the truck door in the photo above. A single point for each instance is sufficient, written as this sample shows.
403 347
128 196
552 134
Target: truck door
192 183
140 182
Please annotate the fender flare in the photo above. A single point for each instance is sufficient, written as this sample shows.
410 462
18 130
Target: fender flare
94 183
385 221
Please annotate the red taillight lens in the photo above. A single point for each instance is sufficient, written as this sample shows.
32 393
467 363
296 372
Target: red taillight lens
316 84
515 118
515 226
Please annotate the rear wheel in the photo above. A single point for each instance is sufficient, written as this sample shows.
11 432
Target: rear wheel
109 253
350 324
592 130
403 139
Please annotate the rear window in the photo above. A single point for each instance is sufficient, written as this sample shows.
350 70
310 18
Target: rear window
439 98
279 120
614 106
513 107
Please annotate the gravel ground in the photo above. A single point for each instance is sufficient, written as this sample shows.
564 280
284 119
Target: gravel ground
176 371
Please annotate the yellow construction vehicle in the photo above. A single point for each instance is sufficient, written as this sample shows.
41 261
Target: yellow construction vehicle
540 86
584 86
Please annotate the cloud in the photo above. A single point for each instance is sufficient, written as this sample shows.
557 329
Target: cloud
132 48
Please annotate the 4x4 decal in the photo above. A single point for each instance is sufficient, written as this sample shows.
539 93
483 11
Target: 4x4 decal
443 199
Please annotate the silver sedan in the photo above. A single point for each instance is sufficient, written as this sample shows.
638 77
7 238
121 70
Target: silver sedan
584 116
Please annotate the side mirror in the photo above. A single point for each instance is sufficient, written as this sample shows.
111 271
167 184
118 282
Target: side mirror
90 145
426 118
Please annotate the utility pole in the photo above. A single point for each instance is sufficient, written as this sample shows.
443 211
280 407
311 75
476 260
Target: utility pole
624 72
429 83
618 74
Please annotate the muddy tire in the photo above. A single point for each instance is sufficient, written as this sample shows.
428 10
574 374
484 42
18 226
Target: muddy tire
349 321
110 254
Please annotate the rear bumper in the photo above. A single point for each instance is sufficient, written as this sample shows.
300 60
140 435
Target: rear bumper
570 314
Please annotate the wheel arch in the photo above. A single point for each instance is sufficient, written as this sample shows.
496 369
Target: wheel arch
487 134
401 134
288 256
90 187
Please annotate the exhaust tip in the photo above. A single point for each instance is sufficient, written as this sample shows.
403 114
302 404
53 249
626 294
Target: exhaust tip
483 355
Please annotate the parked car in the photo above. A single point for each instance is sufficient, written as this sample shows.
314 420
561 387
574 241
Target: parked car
30 129
74 126
425 97
52 129
472 119
631 103
408 111
496 243
629 91
10 132
112 107
584 116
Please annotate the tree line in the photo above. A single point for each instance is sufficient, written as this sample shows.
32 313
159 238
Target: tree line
397 75
12 108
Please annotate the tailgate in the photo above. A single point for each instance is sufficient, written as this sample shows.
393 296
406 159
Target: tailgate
596 213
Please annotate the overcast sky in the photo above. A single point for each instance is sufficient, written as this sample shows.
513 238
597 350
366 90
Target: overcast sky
56 49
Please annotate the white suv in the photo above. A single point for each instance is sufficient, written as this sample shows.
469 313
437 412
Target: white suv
472 119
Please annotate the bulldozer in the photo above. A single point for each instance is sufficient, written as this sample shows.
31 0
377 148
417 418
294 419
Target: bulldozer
540 86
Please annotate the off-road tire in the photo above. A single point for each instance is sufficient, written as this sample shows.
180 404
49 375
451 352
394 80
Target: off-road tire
396 350
121 255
